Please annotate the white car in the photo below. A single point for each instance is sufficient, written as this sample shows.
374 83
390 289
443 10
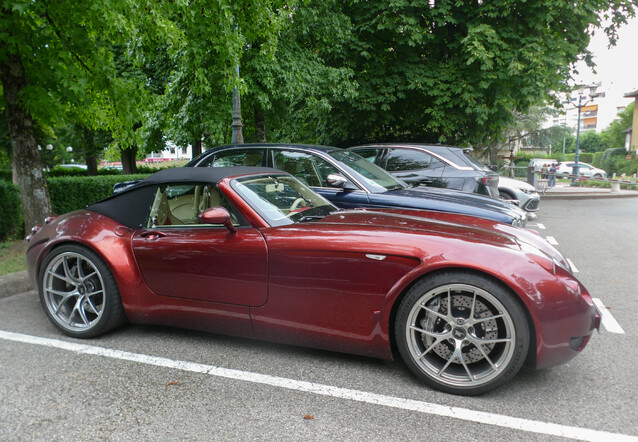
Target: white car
584 170
520 193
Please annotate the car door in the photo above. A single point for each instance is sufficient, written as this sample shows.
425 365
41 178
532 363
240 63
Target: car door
313 170
178 257
414 167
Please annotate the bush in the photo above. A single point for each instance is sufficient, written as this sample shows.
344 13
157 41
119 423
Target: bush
6 174
72 171
612 158
597 161
11 221
73 193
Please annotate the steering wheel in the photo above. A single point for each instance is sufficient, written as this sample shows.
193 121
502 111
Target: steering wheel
297 203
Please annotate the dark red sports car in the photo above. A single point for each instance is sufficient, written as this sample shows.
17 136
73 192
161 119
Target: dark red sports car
253 252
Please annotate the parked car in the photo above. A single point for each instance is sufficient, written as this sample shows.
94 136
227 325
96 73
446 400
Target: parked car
518 192
585 170
436 166
349 181
253 252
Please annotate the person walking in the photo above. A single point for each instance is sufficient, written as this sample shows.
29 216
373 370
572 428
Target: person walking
551 176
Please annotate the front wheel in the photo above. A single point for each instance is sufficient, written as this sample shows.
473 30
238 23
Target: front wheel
78 292
461 333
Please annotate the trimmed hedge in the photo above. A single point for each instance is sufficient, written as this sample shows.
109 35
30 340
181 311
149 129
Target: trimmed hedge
583 157
73 193
11 221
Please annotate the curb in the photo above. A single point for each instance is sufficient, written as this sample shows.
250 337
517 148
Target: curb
15 283
589 195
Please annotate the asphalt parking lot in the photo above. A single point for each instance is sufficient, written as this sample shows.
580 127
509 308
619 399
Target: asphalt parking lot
143 382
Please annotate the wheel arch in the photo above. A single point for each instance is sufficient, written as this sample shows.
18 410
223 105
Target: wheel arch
530 360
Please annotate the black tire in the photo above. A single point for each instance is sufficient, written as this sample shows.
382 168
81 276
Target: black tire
598 176
78 292
505 195
439 344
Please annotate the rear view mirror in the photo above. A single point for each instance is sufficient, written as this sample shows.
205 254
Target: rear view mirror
217 215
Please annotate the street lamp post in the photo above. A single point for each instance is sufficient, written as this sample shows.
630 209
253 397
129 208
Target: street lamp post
70 151
583 101
49 149
237 135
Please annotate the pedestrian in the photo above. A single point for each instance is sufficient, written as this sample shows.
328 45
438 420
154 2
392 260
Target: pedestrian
551 182
544 172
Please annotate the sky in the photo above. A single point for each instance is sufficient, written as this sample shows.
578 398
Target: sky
616 68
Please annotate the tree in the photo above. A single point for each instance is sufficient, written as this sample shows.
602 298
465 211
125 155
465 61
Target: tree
455 71
613 135
57 65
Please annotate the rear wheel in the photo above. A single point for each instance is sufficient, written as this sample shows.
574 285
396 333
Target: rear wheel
598 176
462 333
78 292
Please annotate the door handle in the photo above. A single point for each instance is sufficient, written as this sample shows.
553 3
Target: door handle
152 234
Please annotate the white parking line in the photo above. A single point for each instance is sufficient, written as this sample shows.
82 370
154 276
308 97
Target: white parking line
571 264
465 414
541 226
607 319
551 240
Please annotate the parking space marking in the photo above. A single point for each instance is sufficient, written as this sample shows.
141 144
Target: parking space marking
571 264
464 414
541 226
551 240
607 319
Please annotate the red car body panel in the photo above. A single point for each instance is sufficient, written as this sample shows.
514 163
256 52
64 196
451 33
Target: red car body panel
332 284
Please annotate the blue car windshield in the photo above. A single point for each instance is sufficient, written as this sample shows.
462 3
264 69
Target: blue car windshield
375 177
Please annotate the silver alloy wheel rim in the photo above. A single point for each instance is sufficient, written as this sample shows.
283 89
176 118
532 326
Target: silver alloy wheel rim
468 345
73 291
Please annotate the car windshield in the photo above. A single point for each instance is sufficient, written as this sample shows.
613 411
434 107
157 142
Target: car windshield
377 178
282 199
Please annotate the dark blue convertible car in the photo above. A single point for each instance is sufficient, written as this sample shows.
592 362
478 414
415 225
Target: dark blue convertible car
349 181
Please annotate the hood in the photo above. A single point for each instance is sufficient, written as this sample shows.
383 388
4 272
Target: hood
436 224
451 224
448 196
517 184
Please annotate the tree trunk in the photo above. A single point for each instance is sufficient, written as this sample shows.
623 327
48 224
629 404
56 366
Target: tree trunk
197 147
26 164
89 151
129 165
260 126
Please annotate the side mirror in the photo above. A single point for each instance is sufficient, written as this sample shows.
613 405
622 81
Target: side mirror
339 181
217 215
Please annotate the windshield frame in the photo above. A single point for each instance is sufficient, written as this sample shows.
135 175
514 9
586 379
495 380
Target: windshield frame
372 185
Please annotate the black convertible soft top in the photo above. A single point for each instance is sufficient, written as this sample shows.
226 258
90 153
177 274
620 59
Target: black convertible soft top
131 206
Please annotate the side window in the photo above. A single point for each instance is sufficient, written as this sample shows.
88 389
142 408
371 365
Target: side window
407 159
301 165
235 157
369 154
179 205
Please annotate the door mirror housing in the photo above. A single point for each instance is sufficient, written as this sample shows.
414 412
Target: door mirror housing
217 215
339 181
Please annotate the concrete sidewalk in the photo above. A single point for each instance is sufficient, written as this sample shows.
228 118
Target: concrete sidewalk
565 191
15 283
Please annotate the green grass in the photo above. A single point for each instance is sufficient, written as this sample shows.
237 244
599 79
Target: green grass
12 256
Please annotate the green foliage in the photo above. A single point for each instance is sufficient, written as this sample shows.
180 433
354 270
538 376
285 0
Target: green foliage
11 223
590 141
6 174
583 157
452 71
612 158
613 135
74 193
597 161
